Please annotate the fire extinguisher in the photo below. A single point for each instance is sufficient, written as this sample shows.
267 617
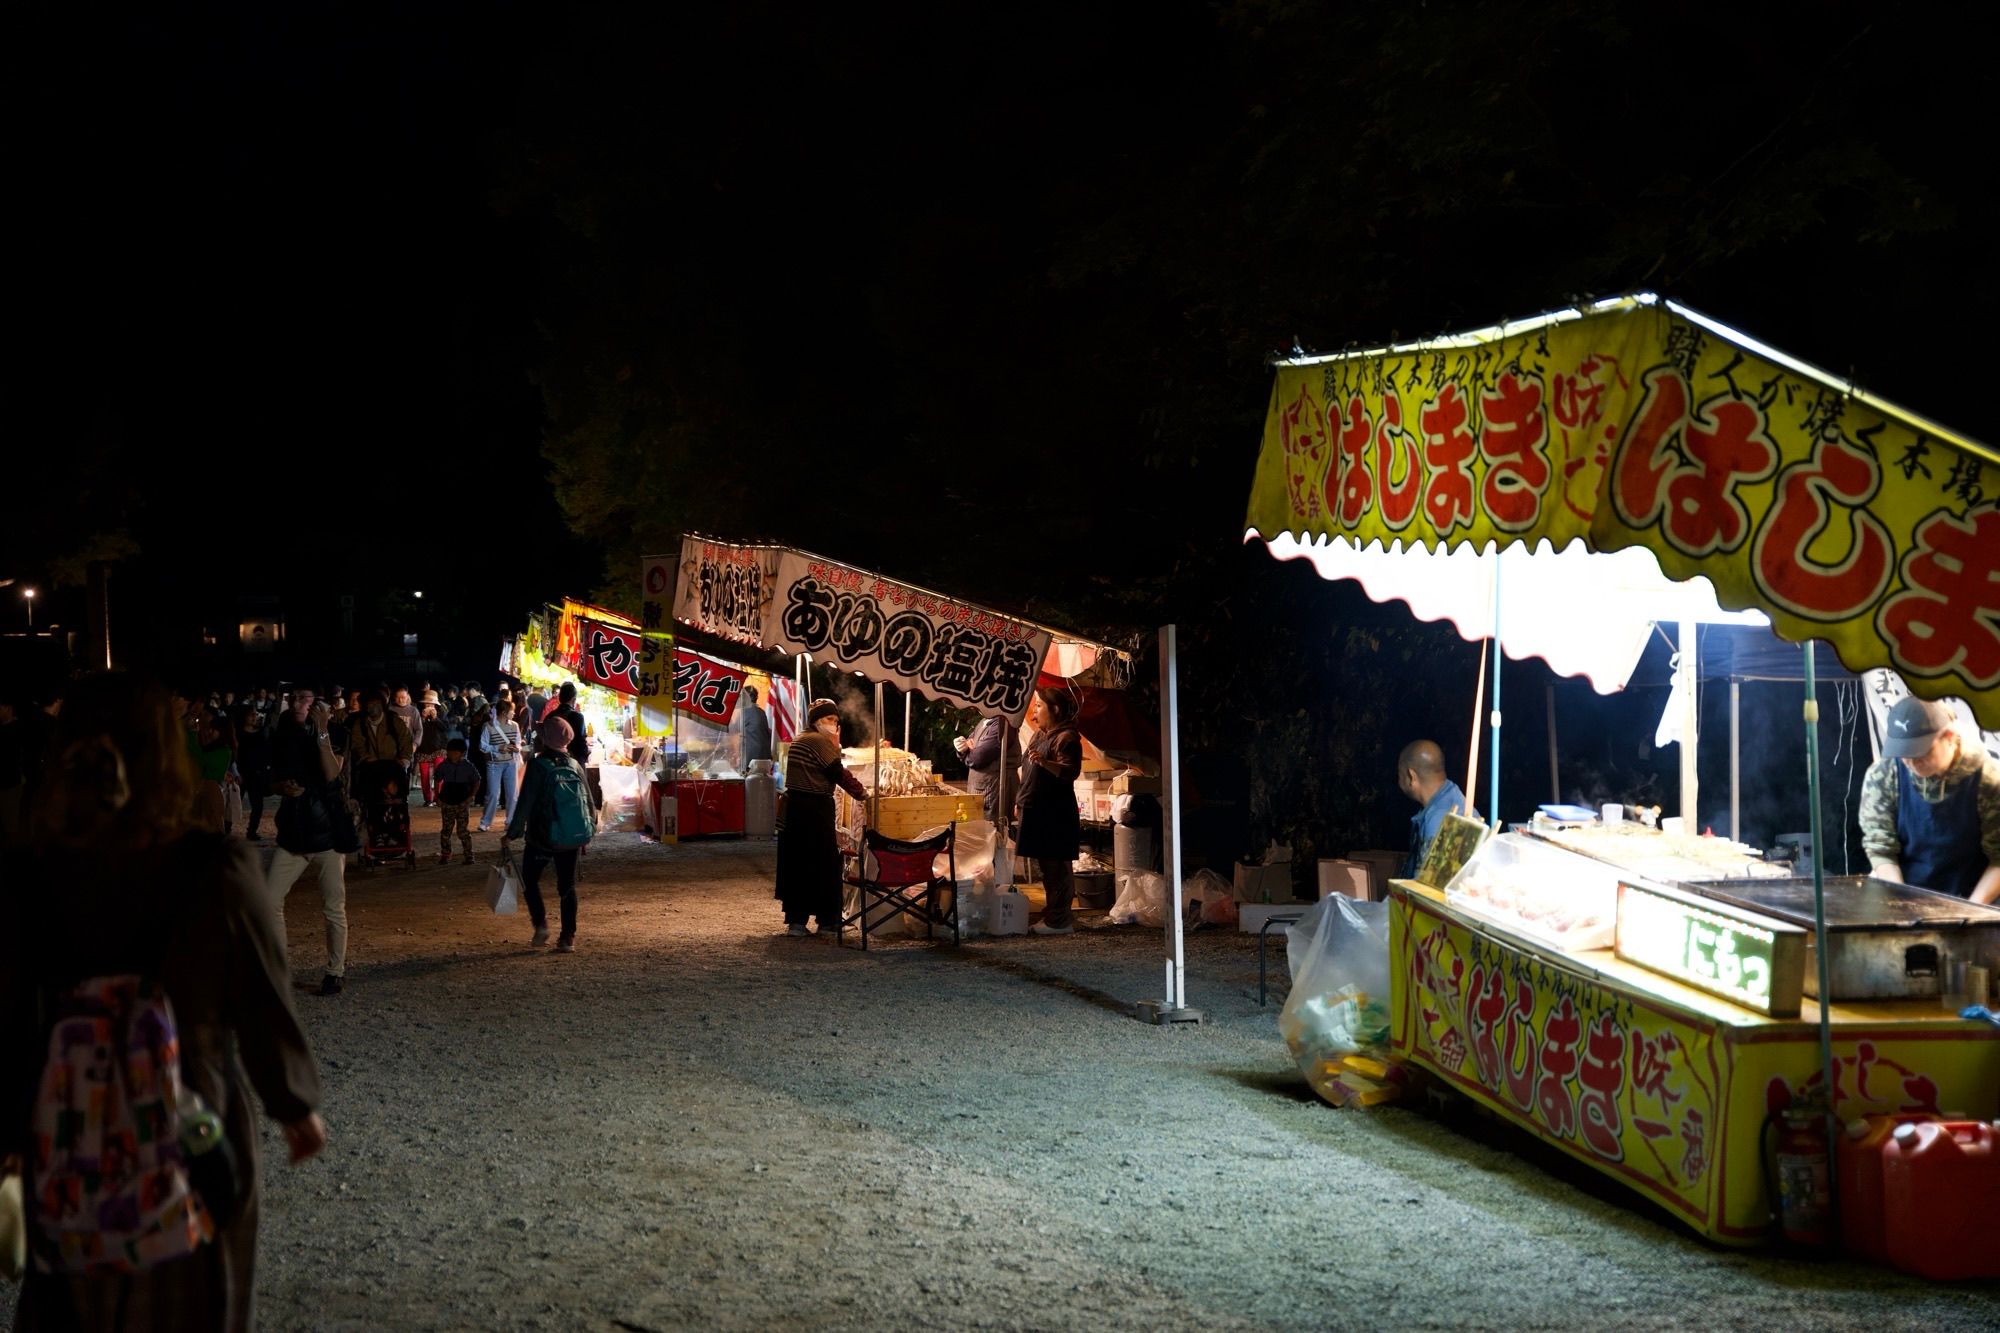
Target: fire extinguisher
1805 1202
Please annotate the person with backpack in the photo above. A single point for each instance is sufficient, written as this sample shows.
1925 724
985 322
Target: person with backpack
555 816
134 928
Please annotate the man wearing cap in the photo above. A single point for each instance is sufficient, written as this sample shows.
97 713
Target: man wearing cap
1930 806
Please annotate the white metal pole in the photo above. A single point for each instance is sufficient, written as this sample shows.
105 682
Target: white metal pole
1690 770
1170 787
877 793
909 706
1736 760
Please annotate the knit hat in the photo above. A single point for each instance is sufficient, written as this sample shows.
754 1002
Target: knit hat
556 734
430 697
821 708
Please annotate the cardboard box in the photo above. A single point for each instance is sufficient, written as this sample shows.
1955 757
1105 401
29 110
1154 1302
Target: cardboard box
1264 884
1383 866
1350 879
1132 783
1250 917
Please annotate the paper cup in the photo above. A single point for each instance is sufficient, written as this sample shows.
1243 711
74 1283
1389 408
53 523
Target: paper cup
1613 813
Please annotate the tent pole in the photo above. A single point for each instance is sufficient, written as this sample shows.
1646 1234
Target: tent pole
909 703
1555 772
1493 778
877 792
1736 760
1690 738
1819 929
1472 746
1174 1008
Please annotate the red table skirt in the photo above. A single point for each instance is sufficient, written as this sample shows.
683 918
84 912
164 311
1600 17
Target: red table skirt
705 808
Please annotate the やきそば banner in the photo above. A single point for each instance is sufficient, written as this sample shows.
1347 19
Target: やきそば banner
608 656
706 688
1633 425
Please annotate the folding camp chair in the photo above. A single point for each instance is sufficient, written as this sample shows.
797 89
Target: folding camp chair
904 881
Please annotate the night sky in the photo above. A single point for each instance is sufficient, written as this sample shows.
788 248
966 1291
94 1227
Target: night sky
981 296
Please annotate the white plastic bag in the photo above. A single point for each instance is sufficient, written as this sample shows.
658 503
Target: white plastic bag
1216 895
503 888
232 807
1142 897
1336 1019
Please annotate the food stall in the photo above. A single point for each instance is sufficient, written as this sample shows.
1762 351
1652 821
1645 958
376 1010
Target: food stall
588 646
892 633
1650 1002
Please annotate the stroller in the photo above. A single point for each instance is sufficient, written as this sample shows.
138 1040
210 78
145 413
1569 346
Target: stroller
383 789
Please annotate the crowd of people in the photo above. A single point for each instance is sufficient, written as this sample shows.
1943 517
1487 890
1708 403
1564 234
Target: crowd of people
143 804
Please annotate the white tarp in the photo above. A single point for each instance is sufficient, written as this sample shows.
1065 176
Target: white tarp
1586 613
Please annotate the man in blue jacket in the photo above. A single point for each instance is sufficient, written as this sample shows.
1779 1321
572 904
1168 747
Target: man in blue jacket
1421 777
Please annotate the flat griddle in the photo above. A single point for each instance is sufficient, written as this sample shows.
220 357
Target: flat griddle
1853 902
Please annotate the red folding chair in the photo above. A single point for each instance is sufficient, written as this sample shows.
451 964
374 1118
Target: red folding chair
905 880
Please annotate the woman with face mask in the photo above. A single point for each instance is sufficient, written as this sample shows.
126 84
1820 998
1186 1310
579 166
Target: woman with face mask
808 850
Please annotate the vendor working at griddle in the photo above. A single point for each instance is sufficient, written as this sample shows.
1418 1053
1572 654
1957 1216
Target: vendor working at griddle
1930 806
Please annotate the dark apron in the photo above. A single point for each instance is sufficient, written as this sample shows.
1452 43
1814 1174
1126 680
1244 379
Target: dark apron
809 859
1941 848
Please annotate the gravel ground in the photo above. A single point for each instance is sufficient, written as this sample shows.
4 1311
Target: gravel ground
697 1122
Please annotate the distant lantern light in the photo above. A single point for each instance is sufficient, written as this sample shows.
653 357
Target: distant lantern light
420 594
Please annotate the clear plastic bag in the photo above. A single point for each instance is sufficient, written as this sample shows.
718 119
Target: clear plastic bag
1142 898
1336 1018
1216 895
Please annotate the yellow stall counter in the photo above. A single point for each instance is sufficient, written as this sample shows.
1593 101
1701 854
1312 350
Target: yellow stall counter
1657 1085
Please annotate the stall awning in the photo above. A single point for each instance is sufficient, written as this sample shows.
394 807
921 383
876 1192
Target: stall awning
1638 424
922 642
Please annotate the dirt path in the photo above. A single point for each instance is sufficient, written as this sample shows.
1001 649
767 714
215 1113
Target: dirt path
696 1122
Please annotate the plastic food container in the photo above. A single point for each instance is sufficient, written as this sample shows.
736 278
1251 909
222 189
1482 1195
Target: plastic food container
1525 885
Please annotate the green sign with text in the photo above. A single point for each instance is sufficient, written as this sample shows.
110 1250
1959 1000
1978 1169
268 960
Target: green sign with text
1740 956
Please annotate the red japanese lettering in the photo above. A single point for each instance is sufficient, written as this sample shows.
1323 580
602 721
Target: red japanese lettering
1801 511
1349 489
1694 1145
1515 445
1602 1076
1396 452
1558 1058
1947 617
1485 1002
1518 1064
1302 431
1726 445
1448 449
1645 456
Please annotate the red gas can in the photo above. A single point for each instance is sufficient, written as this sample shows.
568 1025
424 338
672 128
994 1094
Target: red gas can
1940 1192
1860 1154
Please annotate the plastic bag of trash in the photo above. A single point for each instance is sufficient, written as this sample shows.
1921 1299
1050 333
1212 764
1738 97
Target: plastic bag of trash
1216 896
1142 897
1336 1019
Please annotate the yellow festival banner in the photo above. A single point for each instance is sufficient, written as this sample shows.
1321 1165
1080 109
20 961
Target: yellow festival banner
1640 423
1669 1098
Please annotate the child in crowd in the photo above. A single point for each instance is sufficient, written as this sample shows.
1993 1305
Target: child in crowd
457 787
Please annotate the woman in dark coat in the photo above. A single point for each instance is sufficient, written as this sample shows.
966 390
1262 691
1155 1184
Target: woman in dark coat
808 849
117 880
1046 805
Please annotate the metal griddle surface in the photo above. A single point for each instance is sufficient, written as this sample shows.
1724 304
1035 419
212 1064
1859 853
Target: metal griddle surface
1853 902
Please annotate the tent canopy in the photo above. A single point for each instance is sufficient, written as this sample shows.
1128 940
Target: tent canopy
895 633
1636 423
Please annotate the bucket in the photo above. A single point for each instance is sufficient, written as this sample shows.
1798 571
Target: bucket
1095 889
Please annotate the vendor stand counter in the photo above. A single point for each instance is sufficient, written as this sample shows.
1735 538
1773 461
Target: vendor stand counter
705 807
1659 1085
